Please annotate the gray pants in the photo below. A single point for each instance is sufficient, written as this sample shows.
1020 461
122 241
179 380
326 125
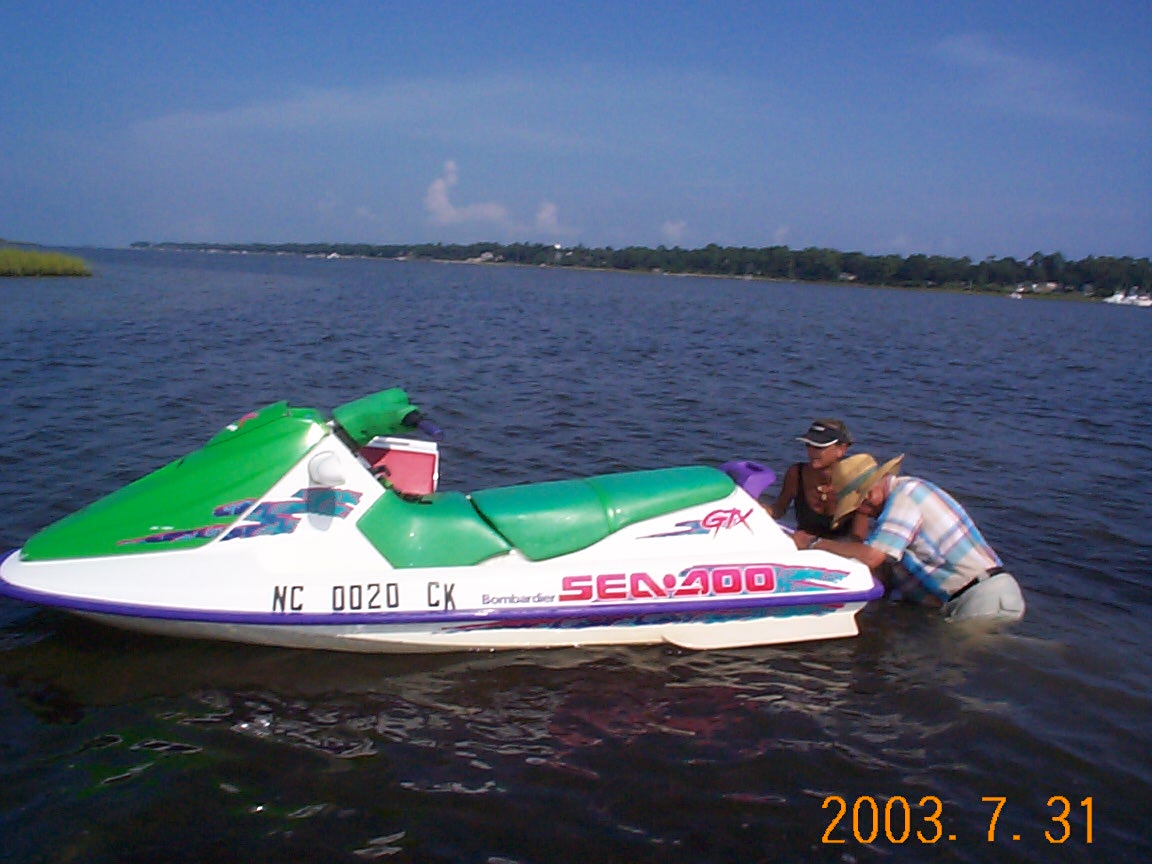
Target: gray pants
995 598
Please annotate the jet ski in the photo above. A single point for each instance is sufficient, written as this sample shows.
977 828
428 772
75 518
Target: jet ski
299 528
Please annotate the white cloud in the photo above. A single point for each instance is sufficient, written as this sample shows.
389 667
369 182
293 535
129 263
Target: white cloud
334 156
547 218
900 243
1007 79
439 205
443 212
673 231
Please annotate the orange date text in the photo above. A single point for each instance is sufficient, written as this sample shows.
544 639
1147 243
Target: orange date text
897 820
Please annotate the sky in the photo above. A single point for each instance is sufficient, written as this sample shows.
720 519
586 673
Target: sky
976 129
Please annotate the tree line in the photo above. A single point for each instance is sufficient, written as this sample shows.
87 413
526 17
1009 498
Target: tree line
1092 276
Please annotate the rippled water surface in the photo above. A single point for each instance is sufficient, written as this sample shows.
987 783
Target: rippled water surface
123 748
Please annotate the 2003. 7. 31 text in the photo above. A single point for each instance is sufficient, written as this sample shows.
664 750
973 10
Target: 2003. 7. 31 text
897 820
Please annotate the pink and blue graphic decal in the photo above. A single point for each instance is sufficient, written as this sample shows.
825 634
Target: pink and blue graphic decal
267 518
283 517
204 532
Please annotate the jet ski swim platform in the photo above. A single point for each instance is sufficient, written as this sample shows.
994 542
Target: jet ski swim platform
294 528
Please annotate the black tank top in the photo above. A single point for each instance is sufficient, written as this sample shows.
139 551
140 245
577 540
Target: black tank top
808 519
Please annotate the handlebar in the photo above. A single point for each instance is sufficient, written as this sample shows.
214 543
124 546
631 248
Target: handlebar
430 429
416 420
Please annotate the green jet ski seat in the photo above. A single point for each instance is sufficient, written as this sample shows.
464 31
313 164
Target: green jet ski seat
544 520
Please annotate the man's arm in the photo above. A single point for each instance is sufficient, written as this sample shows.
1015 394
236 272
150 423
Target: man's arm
874 558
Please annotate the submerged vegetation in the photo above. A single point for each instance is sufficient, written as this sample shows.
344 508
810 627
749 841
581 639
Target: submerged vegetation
1050 274
28 262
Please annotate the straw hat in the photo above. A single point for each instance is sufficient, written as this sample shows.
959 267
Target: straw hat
853 476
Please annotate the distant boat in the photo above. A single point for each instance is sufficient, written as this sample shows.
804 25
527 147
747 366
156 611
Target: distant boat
1130 298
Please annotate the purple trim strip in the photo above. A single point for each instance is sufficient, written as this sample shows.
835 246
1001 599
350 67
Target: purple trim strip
607 612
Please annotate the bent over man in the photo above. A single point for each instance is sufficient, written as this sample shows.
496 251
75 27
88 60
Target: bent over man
924 547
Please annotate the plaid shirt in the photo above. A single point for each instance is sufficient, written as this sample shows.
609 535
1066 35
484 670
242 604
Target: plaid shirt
932 540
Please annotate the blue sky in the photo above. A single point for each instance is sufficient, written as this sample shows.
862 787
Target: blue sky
967 128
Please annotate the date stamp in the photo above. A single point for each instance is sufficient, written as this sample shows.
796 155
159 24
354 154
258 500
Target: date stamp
899 821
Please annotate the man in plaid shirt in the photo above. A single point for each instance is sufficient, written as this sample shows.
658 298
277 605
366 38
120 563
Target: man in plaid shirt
924 545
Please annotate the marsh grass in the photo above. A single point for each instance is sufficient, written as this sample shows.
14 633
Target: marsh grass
26 262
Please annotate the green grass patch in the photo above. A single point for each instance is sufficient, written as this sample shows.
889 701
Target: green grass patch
26 262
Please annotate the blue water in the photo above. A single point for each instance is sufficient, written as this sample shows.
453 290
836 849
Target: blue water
122 748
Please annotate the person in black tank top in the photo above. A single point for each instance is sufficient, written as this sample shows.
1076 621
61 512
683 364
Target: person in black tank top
812 520
807 487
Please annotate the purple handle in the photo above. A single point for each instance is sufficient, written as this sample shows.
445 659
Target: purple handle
430 429
752 477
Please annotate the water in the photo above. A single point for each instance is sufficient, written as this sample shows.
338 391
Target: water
122 748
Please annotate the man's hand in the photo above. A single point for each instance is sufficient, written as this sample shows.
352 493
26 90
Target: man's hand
802 539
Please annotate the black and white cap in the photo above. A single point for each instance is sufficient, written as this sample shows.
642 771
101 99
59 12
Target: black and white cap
825 433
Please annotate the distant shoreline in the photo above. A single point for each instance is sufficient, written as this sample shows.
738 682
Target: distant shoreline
1050 276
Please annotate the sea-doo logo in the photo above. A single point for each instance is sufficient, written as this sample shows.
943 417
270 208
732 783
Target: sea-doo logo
705 581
